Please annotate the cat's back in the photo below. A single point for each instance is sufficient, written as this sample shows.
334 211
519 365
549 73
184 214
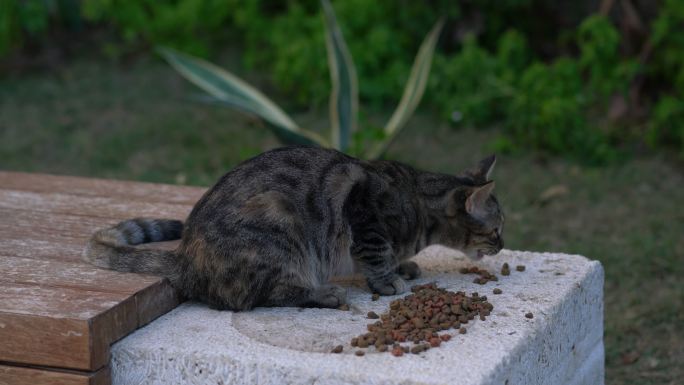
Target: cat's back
294 178
288 168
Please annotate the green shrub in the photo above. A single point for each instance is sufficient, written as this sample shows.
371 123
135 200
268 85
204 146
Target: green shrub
666 123
473 85
544 106
191 25
25 20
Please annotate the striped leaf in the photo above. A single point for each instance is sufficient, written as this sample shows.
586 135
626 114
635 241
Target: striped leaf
344 100
413 92
230 90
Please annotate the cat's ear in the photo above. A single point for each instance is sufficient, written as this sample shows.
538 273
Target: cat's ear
475 204
483 170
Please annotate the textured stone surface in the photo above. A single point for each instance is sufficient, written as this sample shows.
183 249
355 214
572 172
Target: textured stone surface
562 344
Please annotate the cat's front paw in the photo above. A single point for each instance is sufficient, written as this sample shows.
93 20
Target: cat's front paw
409 270
396 286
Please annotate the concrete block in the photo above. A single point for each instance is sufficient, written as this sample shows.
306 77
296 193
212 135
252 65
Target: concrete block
562 344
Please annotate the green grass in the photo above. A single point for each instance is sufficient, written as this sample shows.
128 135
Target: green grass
93 118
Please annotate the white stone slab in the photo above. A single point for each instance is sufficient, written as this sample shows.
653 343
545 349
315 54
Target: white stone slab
562 344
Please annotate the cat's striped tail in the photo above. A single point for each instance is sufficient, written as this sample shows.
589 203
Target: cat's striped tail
113 248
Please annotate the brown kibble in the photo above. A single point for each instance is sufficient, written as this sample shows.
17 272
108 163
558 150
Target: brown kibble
338 349
375 297
419 316
529 315
497 291
520 267
464 270
360 353
344 307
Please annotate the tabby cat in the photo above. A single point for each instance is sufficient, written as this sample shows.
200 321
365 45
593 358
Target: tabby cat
276 228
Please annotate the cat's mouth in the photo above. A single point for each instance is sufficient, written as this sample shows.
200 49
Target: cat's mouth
480 253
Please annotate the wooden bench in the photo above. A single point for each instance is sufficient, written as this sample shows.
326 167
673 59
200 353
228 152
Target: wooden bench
59 315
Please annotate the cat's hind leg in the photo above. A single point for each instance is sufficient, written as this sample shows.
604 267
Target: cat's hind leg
324 296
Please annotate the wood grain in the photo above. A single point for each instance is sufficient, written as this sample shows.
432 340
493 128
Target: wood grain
60 315
149 192
62 327
44 340
102 207
74 275
17 375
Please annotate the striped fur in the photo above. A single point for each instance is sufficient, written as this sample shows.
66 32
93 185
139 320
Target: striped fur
275 229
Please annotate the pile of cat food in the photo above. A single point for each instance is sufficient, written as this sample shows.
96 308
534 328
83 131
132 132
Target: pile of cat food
418 318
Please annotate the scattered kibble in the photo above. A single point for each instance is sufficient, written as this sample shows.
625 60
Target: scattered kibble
505 269
360 353
529 315
462 331
520 267
419 317
375 297
497 291
484 275
397 351
344 307
338 349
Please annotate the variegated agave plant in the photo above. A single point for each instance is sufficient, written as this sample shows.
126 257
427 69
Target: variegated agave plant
226 88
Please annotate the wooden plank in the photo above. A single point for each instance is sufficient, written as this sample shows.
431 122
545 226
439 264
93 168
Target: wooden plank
74 226
62 327
56 302
18 375
68 249
129 190
103 207
55 310
73 275
44 340
155 300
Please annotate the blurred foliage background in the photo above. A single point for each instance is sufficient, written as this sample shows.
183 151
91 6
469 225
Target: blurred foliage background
583 100
589 80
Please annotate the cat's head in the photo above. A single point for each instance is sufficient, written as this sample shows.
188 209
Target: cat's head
473 218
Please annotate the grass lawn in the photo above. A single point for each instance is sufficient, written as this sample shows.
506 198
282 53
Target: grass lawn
93 118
